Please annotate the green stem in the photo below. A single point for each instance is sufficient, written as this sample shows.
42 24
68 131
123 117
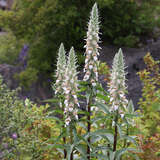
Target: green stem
125 141
116 133
88 130
110 127
65 152
71 141
64 138
89 126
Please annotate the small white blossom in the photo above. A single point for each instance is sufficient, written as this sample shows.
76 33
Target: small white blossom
67 121
90 66
95 58
93 84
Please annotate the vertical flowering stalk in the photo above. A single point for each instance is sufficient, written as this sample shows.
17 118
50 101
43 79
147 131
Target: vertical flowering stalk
58 86
91 63
70 87
117 86
117 90
60 72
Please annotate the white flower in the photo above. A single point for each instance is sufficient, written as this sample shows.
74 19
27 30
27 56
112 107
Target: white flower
90 66
95 58
70 109
86 77
122 115
67 91
90 37
67 121
115 107
75 96
66 102
57 81
89 51
86 60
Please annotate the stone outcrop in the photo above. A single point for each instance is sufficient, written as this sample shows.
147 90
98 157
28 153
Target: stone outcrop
134 62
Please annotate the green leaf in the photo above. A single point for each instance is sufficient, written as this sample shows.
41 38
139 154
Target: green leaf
104 133
103 107
130 139
119 130
52 100
99 156
100 148
133 155
81 148
55 118
103 97
82 125
123 151
111 155
69 150
130 107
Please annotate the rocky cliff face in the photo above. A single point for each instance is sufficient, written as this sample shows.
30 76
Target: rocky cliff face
37 92
134 62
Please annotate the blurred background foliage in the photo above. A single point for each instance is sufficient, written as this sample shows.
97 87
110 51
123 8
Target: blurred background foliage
9 48
45 24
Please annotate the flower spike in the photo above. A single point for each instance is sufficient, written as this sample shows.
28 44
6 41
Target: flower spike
117 86
61 66
70 88
91 61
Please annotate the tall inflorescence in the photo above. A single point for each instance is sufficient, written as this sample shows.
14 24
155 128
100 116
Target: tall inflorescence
70 87
60 72
117 86
91 61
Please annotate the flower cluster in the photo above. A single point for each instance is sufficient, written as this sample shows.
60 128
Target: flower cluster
90 69
70 87
61 66
117 86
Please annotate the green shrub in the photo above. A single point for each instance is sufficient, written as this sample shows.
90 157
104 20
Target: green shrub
149 123
9 48
24 129
8 123
27 77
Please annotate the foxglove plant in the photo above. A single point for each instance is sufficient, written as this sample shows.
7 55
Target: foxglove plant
117 89
91 64
58 86
70 87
